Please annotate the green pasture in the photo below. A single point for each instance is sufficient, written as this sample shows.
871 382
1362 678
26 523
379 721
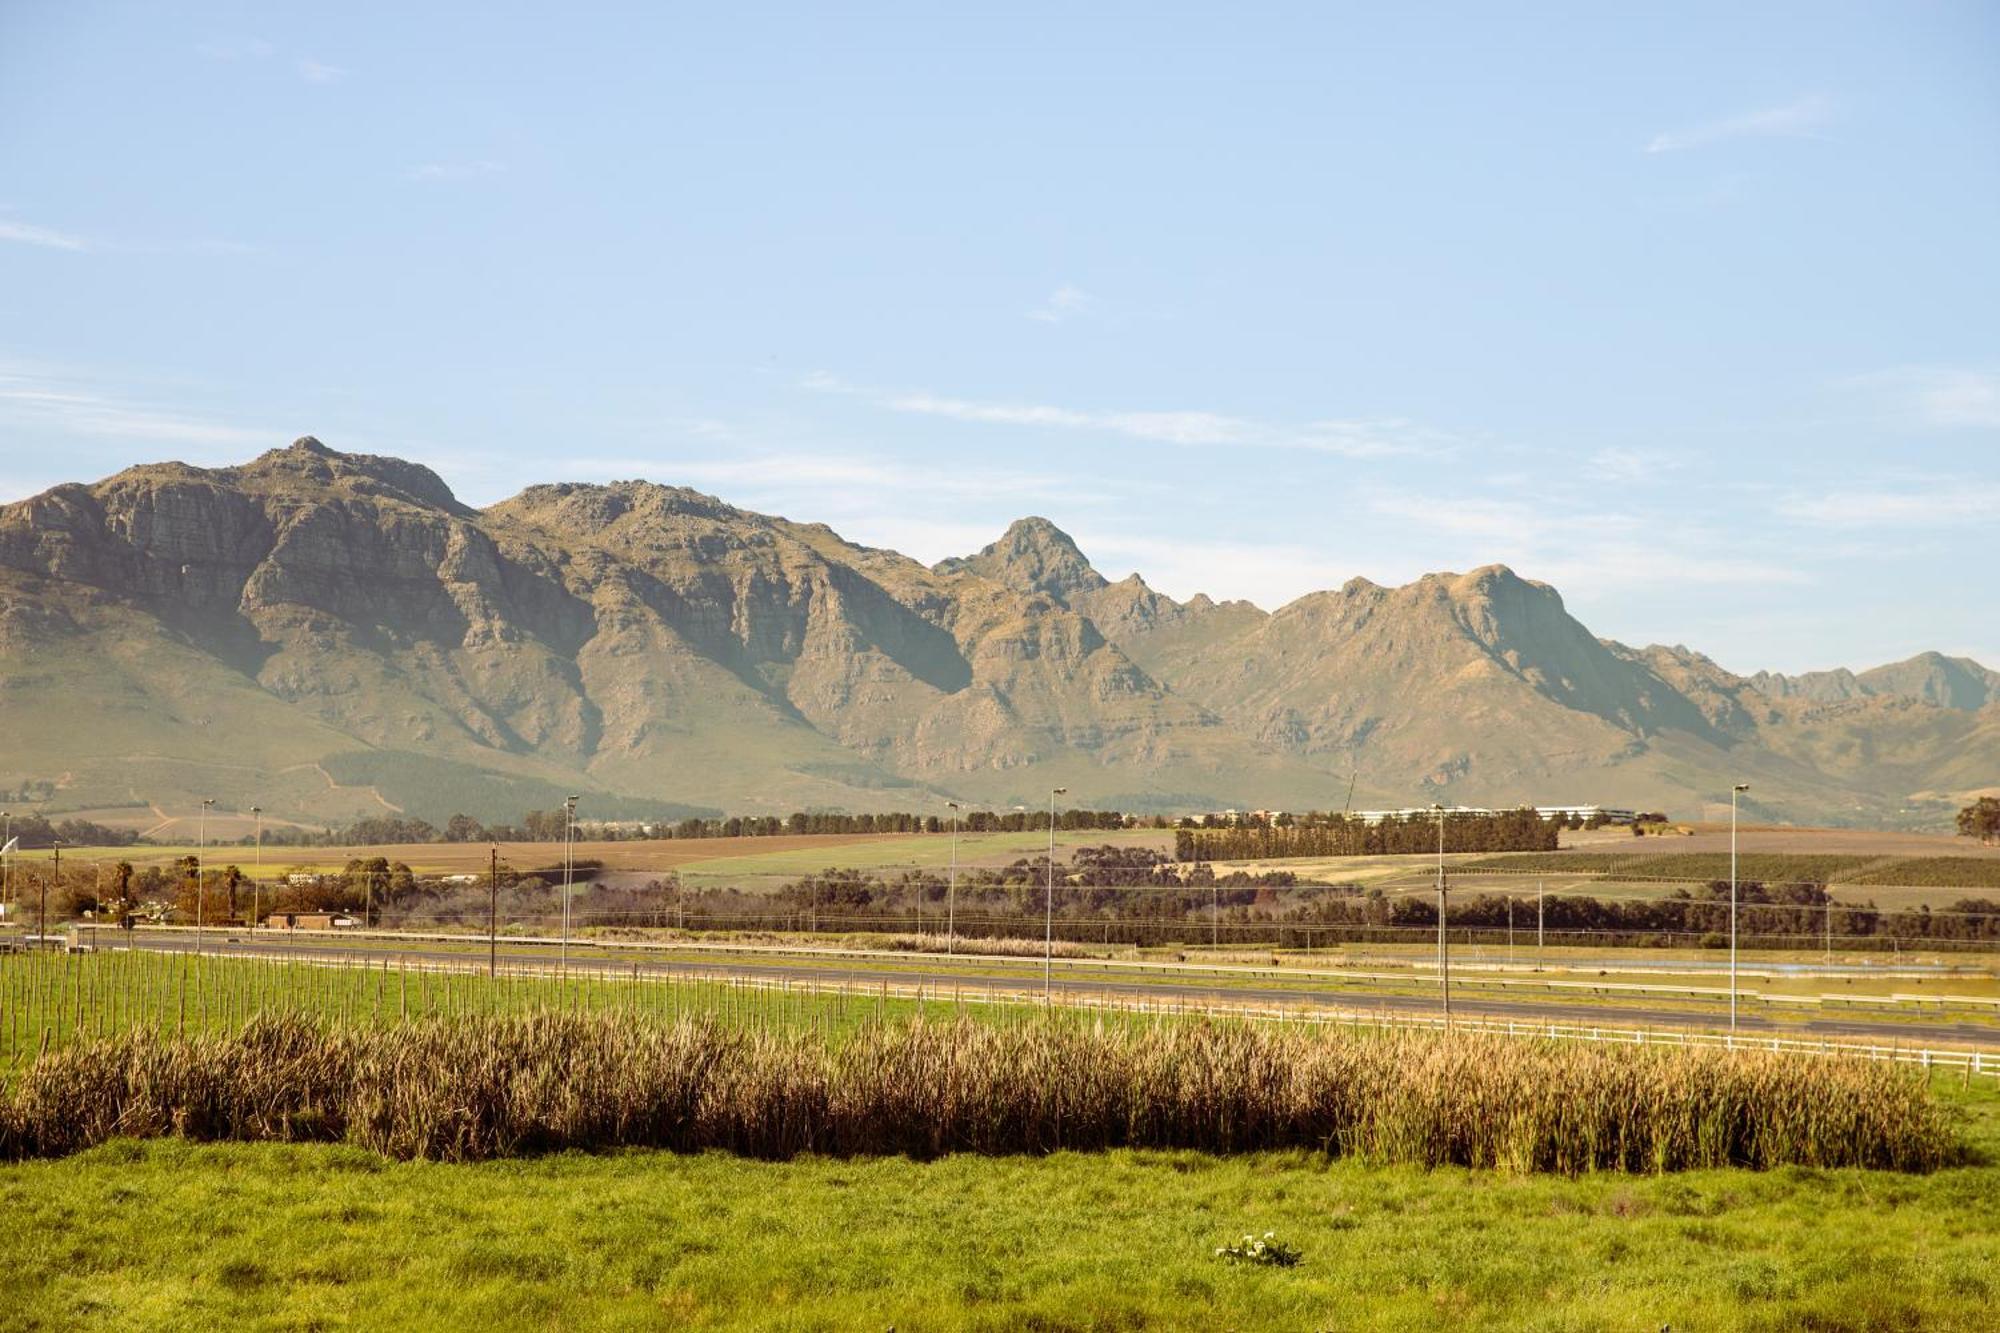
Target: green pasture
167 1234
50 1000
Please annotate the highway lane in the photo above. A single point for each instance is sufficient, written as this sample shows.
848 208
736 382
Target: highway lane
1025 985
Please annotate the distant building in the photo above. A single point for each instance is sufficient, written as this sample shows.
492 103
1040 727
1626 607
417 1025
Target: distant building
308 921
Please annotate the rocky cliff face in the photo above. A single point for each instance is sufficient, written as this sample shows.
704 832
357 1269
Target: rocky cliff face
340 630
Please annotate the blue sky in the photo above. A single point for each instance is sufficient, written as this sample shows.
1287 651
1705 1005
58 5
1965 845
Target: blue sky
1695 315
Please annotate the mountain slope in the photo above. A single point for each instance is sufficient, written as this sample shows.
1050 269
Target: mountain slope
331 634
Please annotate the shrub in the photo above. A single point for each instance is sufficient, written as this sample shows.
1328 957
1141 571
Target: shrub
479 1087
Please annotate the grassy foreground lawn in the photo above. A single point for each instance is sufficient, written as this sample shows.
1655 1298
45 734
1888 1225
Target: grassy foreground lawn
166 1234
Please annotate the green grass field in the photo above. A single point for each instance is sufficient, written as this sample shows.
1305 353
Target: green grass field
50 1000
1837 870
168 1234
165 1234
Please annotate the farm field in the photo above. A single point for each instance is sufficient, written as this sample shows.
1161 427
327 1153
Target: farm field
332 1236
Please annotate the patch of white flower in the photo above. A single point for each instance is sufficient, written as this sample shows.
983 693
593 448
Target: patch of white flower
1267 1250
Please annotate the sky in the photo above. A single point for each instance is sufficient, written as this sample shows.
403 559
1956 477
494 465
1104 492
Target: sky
1694 314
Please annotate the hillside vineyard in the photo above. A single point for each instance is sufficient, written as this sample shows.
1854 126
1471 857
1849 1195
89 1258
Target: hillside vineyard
329 635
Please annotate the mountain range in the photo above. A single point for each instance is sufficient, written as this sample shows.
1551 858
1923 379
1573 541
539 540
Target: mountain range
332 635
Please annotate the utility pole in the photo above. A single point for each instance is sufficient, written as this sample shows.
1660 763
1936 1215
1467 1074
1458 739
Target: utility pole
1734 792
569 823
1049 918
42 926
1444 947
201 869
6 859
257 870
493 912
951 891
1541 939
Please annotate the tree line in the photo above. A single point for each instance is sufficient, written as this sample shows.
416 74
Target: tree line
1110 894
1348 835
549 826
36 832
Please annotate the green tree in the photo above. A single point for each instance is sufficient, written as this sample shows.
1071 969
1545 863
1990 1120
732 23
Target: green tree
463 828
1981 819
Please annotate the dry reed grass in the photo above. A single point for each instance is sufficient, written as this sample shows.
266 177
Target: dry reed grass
477 1087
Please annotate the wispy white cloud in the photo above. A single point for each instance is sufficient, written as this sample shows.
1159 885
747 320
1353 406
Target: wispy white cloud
1575 544
1345 438
24 233
313 71
1937 397
1065 302
825 478
1802 119
31 400
455 171
1620 464
1943 501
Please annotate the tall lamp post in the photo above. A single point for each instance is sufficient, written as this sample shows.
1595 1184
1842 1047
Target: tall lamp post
1734 792
1444 946
257 871
201 868
951 889
569 823
1049 916
493 911
42 923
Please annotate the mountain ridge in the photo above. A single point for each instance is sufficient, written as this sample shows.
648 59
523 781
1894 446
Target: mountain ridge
318 611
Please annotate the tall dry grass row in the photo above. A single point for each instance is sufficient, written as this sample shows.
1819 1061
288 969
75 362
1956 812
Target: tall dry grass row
482 1087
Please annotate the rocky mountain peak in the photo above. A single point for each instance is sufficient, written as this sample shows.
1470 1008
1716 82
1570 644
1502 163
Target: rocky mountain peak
592 506
1957 683
1034 555
308 462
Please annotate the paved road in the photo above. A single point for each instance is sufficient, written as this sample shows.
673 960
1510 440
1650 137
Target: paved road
1192 991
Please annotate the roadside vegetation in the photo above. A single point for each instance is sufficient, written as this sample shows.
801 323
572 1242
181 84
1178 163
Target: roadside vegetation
476 1087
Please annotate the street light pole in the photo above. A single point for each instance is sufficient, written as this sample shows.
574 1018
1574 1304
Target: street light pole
1734 792
257 871
493 912
201 869
951 890
1541 919
569 823
1444 947
1049 917
42 924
